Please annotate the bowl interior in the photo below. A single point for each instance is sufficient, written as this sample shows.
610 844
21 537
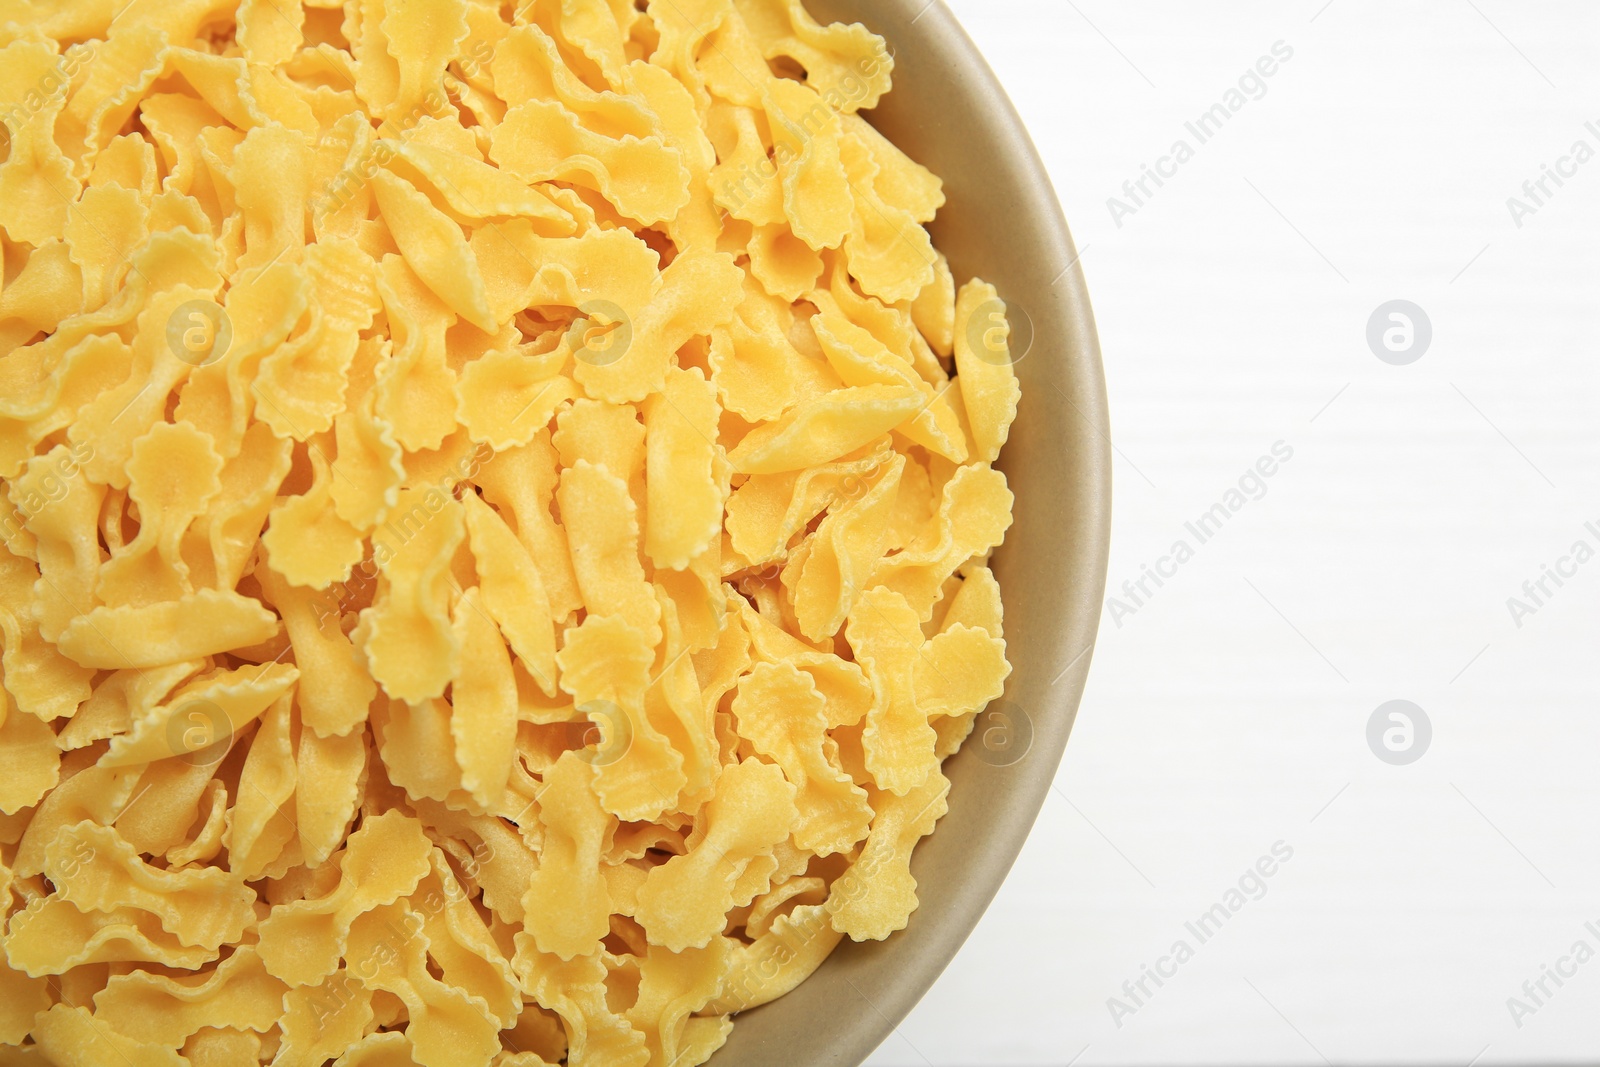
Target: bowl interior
1004 224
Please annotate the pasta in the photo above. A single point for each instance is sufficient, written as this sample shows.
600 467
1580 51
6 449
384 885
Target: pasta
497 503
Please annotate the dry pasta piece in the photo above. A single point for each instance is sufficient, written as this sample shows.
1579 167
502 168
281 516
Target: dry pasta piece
71 1035
302 942
877 895
119 699
51 936
414 389
206 842
424 37
567 906
406 636
95 869
934 310
886 635
337 692
21 998
214 1047
513 591
505 398
37 185
675 705
757 369
575 990
169 797
476 190
603 531
369 469
324 1020
447 1027
86 792
522 482
844 554
977 603
686 494
831 55
974 512
263 826
849 692
303 385
217 705
860 358
483 713
542 141
231 528
435 248
463 947
685 901
387 1049
816 186
418 749
766 512
605 666
699 292
785 716
606 435
890 256
988 382
960 670
238 994
825 429
672 987
778 960
329 772
62 523
30 763
197 624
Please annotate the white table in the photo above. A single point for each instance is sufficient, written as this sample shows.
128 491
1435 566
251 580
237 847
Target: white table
1230 711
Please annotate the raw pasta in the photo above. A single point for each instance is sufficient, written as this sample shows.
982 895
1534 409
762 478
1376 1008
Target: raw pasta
496 510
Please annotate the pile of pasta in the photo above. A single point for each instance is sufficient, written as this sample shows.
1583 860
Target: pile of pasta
497 503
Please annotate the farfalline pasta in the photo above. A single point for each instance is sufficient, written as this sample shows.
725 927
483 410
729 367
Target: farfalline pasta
497 502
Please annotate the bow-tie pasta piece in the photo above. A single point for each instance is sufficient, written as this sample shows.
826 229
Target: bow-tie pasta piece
877 895
685 901
497 510
30 762
576 991
303 941
567 906
784 715
238 994
887 638
42 682
825 429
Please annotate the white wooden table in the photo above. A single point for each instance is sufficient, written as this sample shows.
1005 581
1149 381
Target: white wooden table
1229 711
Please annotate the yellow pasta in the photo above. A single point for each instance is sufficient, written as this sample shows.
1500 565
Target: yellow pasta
495 509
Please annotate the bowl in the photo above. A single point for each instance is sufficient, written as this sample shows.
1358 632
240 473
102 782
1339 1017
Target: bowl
1004 224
